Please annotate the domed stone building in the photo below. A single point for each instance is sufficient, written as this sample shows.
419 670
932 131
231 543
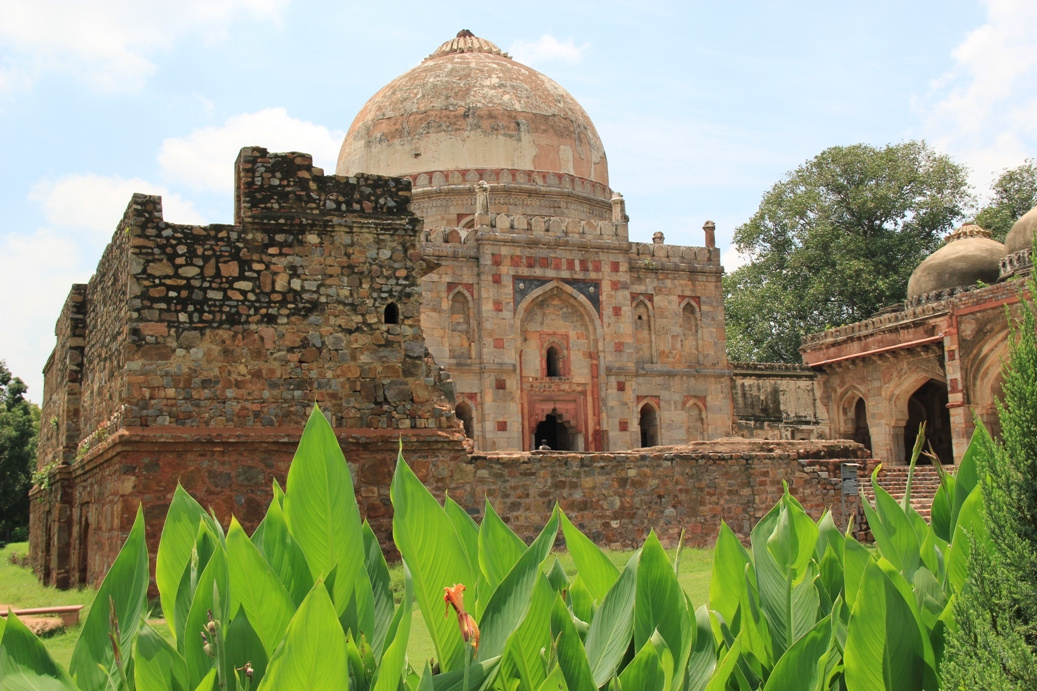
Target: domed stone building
557 330
936 358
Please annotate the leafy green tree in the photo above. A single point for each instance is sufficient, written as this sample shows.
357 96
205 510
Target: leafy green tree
19 433
835 241
1014 193
995 645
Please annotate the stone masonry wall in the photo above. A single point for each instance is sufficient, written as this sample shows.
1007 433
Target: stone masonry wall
616 498
60 415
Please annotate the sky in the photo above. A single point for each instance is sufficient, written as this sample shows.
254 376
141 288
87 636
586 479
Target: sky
702 106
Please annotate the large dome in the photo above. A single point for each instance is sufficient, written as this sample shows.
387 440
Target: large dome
468 106
968 257
1020 237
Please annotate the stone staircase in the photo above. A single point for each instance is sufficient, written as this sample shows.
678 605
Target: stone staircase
893 479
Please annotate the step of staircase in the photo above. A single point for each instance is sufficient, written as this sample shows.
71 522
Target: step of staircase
924 485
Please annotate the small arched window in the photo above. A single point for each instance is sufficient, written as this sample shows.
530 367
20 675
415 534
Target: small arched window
553 364
466 415
649 424
392 313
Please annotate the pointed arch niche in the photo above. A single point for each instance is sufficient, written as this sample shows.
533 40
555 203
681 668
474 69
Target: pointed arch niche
648 423
644 332
691 327
461 321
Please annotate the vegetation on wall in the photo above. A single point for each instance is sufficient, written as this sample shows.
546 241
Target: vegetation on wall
835 241
19 434
304 602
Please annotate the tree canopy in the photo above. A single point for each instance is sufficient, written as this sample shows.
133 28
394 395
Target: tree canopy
19 432
835 241
1013 194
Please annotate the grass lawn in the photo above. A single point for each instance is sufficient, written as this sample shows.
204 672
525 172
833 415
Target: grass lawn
19 588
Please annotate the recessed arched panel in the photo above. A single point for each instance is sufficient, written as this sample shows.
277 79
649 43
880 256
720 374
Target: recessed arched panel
461 341
691 325
648 422
643 333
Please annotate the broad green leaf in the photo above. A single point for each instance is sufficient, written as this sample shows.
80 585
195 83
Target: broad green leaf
478 674
157 666
802 667
314 652
753 628
282 552
645 672
661 605
555 681
572 657
208 682
384 605
981 446
612 626
213 579
940 511
522 659
242 644
429 544
174 552
510 601
499 549
595 568
725 668
894 533
884 647
392 665
725 585
266 602
322 515
580 600
703 658
969 526
468 532
206 543
855 560
125 588
829 534
783 546
25 662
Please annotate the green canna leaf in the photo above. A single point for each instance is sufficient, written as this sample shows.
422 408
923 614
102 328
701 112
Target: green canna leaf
703 658
125 588
803 666
468 532
572 658
282 552
969 528
894 533
940 511
499 549
313 655
436 556
392 665
384 604
175 548
645 672
885 645
661 605
322 515
967 477
510 601
522 659
725 668
157 666
243 645
612 626
725 584
212 580
266 602
595 568
25 662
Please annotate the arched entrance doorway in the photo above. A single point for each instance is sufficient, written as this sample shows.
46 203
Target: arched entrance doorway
554 433
861 431
928 404
649 426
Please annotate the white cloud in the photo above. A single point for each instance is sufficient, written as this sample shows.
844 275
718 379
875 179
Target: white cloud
984 110
96 203
731 259
109 43
204 159
547 49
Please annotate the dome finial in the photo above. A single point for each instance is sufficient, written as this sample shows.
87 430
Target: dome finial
467 42
465 33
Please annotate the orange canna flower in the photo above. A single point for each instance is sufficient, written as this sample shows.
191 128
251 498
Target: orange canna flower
454 597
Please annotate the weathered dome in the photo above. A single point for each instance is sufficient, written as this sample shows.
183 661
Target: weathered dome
466 106
968 256
1020 237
